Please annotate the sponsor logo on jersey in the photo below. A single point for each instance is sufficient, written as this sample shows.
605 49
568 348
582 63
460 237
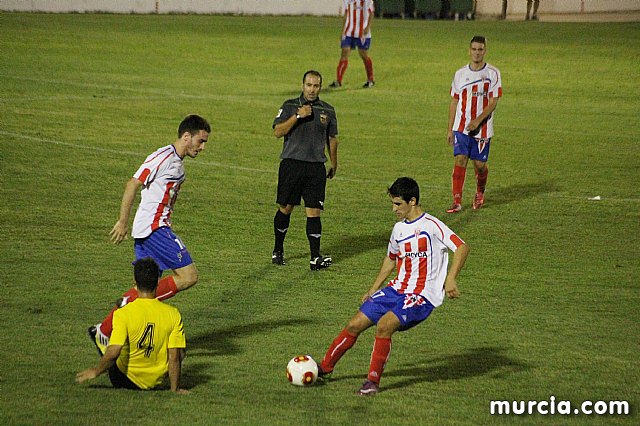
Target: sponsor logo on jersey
416 255
324 119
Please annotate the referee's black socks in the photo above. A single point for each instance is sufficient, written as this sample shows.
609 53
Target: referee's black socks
280 227
314 232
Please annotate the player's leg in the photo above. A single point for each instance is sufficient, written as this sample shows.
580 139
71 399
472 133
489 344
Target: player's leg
408 311
288 196
536 4
387 325
528 9
169 252
479 155
280 227
461 152
345 51
482 174
503 15
313 194
458 177
363 51
343 342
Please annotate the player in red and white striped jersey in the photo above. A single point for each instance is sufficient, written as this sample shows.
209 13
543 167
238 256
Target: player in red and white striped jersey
475 91
418 251
356 33
158 179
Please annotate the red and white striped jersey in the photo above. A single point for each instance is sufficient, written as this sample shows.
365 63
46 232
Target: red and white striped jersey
421 251
358 14
161 175
473 89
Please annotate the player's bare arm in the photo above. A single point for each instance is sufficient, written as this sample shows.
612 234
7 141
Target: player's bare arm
387 267
450 283
108 359
176 355
452 116
333 157
120 230
475 123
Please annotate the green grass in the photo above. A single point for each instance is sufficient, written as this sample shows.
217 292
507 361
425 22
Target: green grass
550 290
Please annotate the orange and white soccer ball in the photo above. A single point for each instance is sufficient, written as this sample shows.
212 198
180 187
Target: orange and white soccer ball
302 370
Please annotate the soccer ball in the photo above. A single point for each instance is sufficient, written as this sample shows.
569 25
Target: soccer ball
302 370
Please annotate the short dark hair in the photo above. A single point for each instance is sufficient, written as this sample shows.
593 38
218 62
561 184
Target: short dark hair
146 273
478 39
193 124
312 72
405 188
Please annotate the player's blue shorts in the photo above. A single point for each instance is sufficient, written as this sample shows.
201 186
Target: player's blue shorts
411 309
474 148
165 248
353 42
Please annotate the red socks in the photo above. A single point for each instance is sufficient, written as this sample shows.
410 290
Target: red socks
339 346
166 288
379 357
458 183
344 342
107 324
482 180
368 65
342 67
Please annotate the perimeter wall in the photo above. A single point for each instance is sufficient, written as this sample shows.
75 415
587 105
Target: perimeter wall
291 7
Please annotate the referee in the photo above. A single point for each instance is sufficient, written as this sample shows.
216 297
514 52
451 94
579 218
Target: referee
308 126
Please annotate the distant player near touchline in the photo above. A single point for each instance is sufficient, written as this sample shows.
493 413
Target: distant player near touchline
159 178
356 33
475 91
419 251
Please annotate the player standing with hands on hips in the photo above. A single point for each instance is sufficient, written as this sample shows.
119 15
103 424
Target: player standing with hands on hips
475 91
159 180
309 126
356 33
419 251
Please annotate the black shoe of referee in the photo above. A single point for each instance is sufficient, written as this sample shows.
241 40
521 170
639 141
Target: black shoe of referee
277 258
320 262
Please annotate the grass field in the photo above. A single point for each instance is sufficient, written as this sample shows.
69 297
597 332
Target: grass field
550 303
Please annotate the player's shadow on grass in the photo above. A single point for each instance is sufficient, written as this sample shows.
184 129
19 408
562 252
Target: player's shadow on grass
346 246
223 341
343 247
510 194
475 362
498 197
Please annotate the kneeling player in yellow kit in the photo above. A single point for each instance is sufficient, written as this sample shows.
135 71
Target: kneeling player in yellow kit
147 342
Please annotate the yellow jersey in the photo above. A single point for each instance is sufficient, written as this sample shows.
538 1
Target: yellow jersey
146 329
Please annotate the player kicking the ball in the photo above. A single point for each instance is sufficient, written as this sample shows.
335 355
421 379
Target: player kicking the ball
159 178
419 250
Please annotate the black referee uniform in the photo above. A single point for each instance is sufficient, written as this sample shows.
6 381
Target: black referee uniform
302 174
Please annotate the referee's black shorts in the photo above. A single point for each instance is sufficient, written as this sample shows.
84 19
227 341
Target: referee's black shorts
301 180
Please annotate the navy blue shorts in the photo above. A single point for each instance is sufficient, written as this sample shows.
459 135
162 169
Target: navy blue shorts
411 309
353 42
474 148
165 248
